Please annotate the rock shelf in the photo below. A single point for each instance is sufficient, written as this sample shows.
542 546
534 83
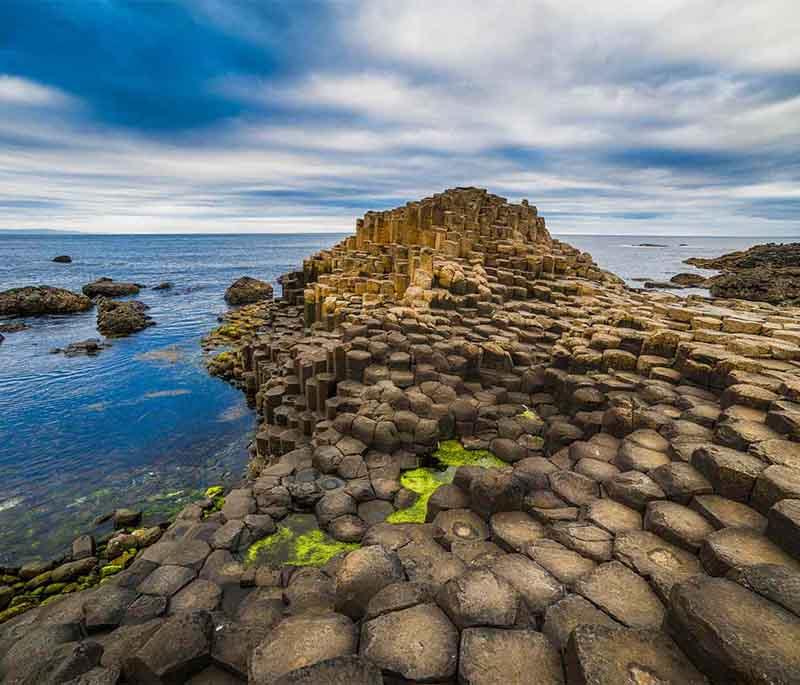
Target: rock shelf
640 524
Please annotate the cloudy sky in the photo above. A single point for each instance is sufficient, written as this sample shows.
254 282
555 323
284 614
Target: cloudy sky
657 117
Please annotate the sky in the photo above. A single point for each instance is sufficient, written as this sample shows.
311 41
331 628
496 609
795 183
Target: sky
663 117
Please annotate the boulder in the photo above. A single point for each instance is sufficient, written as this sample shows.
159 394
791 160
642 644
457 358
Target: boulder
118 319
247 290
479 598
361 575
107 287
62 259
42 299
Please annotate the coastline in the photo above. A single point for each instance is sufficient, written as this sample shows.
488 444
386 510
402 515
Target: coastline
618 447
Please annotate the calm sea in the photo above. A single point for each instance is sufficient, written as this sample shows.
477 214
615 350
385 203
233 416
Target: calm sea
142 423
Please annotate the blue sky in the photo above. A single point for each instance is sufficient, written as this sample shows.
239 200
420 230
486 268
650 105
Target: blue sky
662 117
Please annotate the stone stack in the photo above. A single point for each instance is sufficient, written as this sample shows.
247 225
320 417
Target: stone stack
642 524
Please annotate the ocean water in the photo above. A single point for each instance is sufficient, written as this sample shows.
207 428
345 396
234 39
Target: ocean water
142 423
661 257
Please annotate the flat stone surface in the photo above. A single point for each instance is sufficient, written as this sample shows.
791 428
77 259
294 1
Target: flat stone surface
623 594
461 525
199 594
599 655
652 557
179 648
564 616
490 656
634 489
419 643
613 516
479 598
515 530
585 539
722 512
778 584
363 573
680 481
300 641
730 547
537 587
166 580
677 524
756 643
731 473
562 563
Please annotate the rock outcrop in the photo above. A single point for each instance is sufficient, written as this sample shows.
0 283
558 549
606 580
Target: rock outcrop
247 290
518 469
41 299
763 273
63 259
118 319
106 287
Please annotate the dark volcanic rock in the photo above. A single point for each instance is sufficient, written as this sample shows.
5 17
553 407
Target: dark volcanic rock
63 259
89 347
689 280
764 273
118 319
247 290
110 288
41 299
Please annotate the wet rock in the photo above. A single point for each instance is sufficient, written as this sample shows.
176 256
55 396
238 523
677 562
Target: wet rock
179 648
247 290
419 643
301 641
89 347
107 287
82 547
599 655
118 319
756 643
44 299
166 285
62 259
490 656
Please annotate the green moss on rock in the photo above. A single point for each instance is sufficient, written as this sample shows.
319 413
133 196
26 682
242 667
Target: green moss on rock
297 542
425 481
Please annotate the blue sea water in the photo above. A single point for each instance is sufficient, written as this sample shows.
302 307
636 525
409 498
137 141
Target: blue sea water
142 423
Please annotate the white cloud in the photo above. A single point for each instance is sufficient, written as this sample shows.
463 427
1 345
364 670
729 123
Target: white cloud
20 92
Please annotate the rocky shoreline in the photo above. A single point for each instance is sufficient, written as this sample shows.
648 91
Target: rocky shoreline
481 459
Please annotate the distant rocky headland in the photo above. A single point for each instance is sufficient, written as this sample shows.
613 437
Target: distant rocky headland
764 273
480 458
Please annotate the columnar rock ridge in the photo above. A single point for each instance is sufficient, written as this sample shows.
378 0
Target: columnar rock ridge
640 522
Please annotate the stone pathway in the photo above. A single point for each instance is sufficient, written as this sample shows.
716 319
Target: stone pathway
644 526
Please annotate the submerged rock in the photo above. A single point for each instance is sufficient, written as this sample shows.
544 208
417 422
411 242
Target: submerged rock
107 287
89 347
41 299
247 290
63 259
13 327
118 319
166 285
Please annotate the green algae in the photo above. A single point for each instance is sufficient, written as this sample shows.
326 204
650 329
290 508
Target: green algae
214 491
297 542
425 481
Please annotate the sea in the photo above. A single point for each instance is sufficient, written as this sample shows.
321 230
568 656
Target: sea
142 424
